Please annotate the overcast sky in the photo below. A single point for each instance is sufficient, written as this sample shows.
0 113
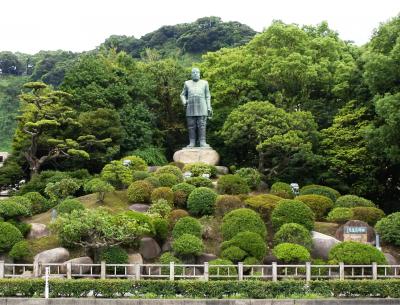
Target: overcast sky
80 25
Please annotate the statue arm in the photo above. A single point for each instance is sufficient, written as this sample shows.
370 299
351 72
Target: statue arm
207 96
184 94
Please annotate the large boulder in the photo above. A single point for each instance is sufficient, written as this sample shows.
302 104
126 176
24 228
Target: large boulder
78 269
139 207
322 244
56 255
134 258
167 246
222 170
149 248
38 230
197 154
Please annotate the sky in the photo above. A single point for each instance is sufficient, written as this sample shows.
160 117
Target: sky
29 26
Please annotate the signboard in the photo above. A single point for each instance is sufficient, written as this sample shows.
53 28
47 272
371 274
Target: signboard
355 230
359 234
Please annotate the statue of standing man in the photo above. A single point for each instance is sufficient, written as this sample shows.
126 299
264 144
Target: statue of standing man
196 98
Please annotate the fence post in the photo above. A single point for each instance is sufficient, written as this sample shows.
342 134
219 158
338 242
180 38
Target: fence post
69 270
103 270
374 271
240 271
36 269
1 269
308 272
274 271
341 271
171 271
137 272
206 271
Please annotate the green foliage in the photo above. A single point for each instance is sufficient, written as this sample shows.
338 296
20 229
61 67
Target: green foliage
292 211
187 225
252 243
117 174
140 175
234 254
11 172
99 186
320 190
114 255
282 189
370 215
263 204
181 193
62 189
165 259
389 228
165 193
222 271
355 253
160 207
170 169
320 205
351 201
227 203
200 168
241 220
187 245
139 192
23 227
161 228
153 181
291 253
295 234
69 205
168 180
39 203
9 236
135 163
251 176
10 208
340 215
201 201
232 185
20 250
175 215
153 156
200 182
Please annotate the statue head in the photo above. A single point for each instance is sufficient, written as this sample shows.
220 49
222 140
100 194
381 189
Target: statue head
195 74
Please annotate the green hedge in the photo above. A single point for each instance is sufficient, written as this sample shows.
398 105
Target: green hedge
200 289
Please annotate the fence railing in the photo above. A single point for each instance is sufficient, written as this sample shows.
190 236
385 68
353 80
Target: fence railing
173 271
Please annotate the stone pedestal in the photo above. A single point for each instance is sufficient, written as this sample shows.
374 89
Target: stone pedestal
197 154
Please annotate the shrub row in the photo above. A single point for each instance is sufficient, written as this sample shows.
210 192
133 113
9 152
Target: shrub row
200 289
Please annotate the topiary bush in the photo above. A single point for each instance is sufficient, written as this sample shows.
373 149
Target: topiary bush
252 243
175 215
21 250
315 189
178 164
117 174
142 219
293 233
351 201
320 205
223 272
200 168
114 255
350 252
39 203
165 259
282 189
154 182
163 193
340 215
187 245
201 201
187 225
9 236
292 211
168 180
161 228
227 203
140 175
161 208
291 253
170 169
234 254
200 182
241 220
263 204
181 193
389 228
369 215
233 185
139 192
23 227
69 205
136 163
251 176
10 208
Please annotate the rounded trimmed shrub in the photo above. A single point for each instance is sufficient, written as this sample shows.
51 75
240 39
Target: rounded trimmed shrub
187 245
168 180
263 204
200 182
251 176
199 168
352 201
170 169
291 253
39 203
369 215
292 211
115 255
201 201
227 203
175 215
10 208
162 193
282 189
161 207
340 215
315 189
234 254
293 233
222 271
389 228
252 243
178 164
187 225
350 252
9 236
140 175
20 250
136 163
69 205
241 220
23 227
154 182
142 219
181 193
320 205
161 228
168 257
232 185
139 192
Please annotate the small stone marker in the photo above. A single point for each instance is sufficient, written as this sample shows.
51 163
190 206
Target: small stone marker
356 230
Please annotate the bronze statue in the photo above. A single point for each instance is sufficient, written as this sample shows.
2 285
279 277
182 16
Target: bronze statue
196 98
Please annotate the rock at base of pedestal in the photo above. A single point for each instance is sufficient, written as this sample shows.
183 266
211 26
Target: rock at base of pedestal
197 154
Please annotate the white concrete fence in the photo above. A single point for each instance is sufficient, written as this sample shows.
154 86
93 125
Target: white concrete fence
273 272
